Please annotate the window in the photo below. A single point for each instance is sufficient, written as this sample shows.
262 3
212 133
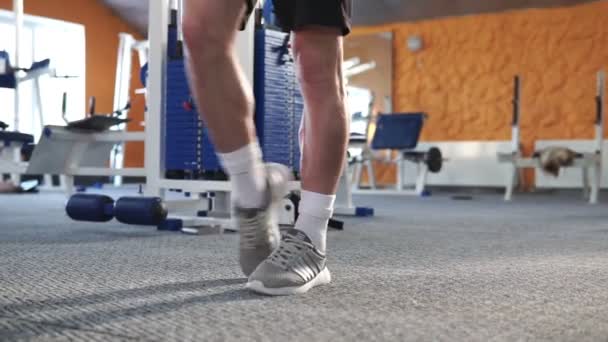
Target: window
359 100
64 44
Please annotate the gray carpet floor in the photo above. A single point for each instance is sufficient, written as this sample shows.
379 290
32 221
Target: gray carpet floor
431 269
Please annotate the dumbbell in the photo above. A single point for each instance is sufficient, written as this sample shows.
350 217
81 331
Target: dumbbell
142 211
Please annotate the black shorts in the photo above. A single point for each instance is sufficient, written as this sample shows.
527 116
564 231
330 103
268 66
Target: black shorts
296 14
293 15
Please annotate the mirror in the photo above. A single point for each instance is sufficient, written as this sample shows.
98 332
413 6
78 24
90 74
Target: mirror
368 69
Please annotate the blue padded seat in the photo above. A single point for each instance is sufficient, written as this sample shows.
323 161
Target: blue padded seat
399 131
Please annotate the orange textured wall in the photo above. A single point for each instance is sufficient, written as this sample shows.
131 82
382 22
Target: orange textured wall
102 28
463 76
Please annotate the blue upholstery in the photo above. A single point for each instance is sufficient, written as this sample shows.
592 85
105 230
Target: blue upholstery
399 131
10 137
8 79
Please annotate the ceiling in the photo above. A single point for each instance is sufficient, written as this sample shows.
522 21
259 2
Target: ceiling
374 12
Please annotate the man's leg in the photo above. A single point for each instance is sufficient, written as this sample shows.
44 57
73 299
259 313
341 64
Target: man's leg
225 101
300 262
318 53
222 92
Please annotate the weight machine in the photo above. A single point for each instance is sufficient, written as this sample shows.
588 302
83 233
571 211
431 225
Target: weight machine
12 77
399 133
190 214
80 148
590 163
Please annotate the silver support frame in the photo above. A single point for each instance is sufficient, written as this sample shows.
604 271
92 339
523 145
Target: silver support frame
400 188
122 90
154 151
18 10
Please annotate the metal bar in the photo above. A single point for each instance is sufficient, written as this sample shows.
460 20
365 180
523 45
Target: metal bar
344 197
180 13
154 151
400 164
599 121
388 192
104 171
61 133
516 98
34 74
206 186
123 70
18 11
122 86
423 172
39 102
516 115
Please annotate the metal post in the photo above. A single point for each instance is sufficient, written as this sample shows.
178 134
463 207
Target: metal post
121 95
516 116
39 102
599 136
371 175
180 16
123 70
423 171
344 198
599 123
511 181
16 177
400 171
154 151
18 11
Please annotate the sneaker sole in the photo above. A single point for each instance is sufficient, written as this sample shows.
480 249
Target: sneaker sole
322 278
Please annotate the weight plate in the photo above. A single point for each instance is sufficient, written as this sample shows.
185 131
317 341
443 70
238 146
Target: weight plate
434 159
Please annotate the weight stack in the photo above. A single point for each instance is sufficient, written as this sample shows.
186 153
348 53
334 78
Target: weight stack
279 103
211 163
183 128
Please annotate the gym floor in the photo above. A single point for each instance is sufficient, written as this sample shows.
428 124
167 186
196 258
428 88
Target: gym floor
422 269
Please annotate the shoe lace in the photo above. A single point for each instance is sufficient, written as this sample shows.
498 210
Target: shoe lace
251 234
289 250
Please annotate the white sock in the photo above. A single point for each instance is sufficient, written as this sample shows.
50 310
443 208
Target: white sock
247 175
315 211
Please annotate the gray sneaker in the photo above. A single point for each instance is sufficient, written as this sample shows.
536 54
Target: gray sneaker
259 228
293 268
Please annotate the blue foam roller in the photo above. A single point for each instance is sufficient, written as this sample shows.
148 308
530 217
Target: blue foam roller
90 208
143 211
